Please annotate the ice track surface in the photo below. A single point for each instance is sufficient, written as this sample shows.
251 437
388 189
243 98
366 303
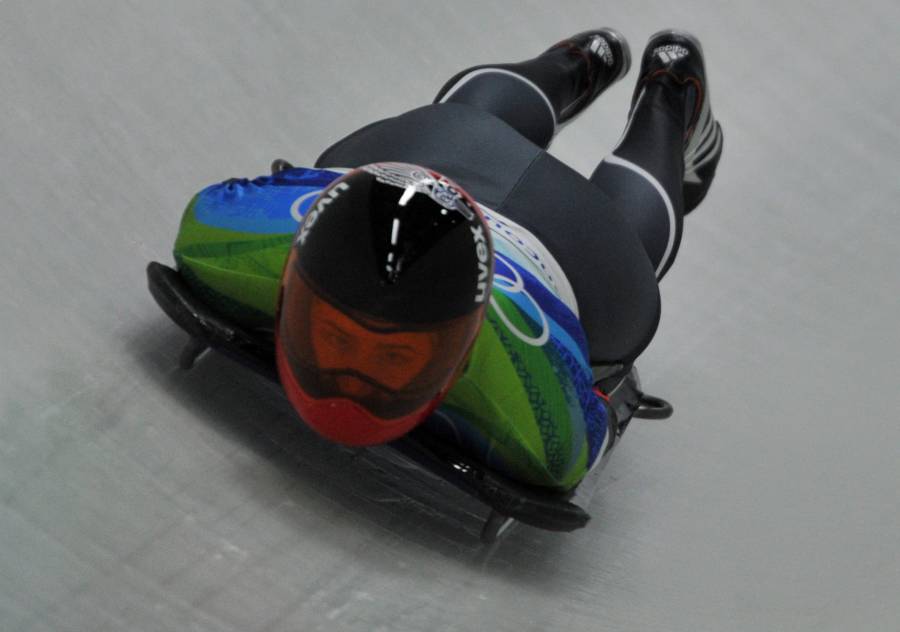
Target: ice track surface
134 496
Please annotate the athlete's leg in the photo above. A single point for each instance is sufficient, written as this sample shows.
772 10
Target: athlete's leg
537 95
666 159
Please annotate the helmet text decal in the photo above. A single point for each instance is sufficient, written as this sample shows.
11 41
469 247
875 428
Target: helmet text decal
320 207
481 251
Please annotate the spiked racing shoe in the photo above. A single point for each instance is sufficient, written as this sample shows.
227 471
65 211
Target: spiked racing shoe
675 58
607 57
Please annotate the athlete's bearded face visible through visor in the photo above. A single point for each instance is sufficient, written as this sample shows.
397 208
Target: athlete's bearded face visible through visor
365 363
364 360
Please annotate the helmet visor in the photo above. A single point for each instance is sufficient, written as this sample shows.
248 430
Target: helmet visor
388 370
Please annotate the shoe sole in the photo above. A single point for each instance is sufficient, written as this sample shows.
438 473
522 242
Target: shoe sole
623 46
677 33
613 35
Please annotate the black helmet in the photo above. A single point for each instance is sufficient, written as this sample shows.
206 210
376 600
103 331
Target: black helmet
382 297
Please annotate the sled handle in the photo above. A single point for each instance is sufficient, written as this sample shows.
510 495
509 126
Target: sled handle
653 408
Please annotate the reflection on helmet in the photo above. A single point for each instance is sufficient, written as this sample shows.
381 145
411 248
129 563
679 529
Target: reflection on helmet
382 298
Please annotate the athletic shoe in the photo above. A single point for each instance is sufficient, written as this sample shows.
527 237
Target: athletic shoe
608 59
675 58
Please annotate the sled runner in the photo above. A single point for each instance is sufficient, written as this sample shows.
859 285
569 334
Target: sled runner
507 499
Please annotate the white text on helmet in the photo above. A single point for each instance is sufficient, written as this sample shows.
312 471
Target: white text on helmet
321 205
481 251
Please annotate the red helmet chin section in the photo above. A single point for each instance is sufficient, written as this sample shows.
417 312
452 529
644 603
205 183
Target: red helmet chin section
343 420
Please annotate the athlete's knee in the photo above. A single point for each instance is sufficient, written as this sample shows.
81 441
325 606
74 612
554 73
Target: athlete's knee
508 96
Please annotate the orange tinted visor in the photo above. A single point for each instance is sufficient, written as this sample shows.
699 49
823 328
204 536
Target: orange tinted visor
388 370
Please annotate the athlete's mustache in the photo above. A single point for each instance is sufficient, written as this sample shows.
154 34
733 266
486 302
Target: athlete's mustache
334 374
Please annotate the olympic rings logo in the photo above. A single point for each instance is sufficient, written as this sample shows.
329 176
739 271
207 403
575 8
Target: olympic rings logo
296 211
511 285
